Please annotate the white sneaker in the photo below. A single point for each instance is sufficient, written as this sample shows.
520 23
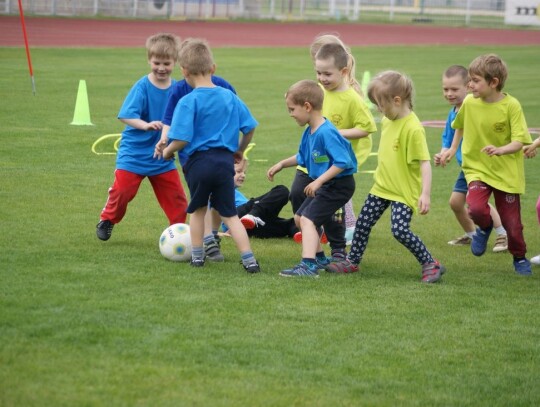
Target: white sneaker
251 222
460 241
536 260
501 244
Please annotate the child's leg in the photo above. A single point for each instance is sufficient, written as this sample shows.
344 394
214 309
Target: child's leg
125 187
297 195
240 237
477 199
457 204
310 239
196 226
211 246
509 208
170 195
350 217
400 224
370 213
269 205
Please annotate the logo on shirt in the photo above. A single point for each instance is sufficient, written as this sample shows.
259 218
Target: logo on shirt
318 158
336 119
499 127
395 146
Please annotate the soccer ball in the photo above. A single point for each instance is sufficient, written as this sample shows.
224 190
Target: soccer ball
175 242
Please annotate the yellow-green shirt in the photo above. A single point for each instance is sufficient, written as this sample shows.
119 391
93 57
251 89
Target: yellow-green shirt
496 124
347 110
403 145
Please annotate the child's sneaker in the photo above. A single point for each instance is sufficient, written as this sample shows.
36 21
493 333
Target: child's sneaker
536 260
322 262
298 238
300 270
252 267
464 240
523 267
479 241
104 229
501 244
251 222
212 252
197 263
341 265
432 272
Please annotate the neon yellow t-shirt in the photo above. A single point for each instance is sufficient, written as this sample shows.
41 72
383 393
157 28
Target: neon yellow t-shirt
495 124
347 110
403 145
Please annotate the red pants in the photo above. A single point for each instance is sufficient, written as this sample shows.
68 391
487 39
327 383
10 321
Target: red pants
167 188
509 208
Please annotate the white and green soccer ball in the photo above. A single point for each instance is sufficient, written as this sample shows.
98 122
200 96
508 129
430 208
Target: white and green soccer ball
175 242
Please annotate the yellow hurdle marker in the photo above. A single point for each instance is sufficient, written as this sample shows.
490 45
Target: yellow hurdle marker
105 137
248 149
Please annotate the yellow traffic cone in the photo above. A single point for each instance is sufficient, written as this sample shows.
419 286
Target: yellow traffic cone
81 117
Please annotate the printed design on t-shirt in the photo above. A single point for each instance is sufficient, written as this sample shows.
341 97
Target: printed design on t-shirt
499 127
336 119
318 158
395 146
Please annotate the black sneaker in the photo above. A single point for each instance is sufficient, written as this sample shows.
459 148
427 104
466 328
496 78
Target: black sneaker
197 263
212 252
104 229
252 268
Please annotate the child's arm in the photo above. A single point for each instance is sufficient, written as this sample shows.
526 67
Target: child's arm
312 187
530 150
509 148
424 201
168 152
354 133
448 154
142 125
286 163
246 139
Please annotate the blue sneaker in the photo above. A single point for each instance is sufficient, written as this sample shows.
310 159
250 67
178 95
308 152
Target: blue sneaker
479 241
523 267
323 262
301 270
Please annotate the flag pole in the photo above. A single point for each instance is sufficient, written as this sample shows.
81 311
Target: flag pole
27 48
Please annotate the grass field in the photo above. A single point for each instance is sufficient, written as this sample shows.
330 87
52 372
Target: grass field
91 323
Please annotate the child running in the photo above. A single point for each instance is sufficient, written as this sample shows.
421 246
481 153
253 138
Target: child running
455 82
494 130
330 162
206 125
141 112
403 174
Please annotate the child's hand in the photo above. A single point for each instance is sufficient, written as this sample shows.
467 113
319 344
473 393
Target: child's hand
155 125
445 157
273 171
311 189
437 159
529 151
424 203
168 153
238 156
491 150
160 146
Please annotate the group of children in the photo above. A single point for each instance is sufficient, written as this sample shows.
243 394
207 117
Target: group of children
201 118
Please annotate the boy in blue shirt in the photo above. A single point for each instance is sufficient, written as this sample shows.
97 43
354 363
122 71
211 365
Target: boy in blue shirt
330 163
142 111
205 126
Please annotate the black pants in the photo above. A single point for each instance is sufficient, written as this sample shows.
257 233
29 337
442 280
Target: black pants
334 227
267 207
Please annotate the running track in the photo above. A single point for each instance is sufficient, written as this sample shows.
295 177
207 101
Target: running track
62 32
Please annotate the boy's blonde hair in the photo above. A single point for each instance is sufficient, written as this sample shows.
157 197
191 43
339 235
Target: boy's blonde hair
323 39
490 66
389 84
306 91
163 45
196 57
457 70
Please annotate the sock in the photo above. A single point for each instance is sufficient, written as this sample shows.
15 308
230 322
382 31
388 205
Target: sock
208 239
471 234
500 230
197 253
321 258
311 263
248 258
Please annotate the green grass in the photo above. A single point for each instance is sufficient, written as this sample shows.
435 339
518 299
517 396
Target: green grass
83 322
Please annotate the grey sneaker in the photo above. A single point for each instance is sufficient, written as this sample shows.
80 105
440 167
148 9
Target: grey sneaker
464 240
197 263
212 252
252 268
300 270
104 229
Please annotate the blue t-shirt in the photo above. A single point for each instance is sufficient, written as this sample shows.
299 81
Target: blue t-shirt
209 118
181 89
324 148
448 134
136 152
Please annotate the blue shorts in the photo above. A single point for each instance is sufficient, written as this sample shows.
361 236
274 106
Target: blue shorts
461 184
210 177
329 198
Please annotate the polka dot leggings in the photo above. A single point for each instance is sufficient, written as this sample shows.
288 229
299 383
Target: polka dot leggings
401 216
